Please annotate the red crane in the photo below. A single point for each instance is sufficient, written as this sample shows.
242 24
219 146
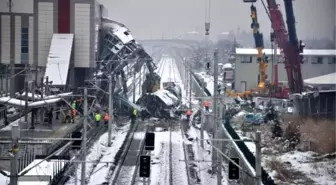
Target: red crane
288 43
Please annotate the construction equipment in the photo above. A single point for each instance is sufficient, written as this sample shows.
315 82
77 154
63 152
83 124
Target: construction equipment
262 60
288 43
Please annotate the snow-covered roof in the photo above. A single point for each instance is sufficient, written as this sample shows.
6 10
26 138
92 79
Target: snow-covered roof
328 79
37 96
21 103
307 52
59 58
119 30
227 65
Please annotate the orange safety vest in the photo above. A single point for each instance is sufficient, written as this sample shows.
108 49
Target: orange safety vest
73 112
188 113
106 117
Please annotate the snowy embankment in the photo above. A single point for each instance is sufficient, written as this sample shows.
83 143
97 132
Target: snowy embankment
209 81
287 165
100 152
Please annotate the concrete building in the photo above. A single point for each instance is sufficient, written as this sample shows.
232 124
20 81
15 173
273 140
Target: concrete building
29 26
316 63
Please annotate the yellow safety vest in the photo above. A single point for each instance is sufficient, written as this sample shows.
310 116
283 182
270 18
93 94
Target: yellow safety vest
134 112
98 117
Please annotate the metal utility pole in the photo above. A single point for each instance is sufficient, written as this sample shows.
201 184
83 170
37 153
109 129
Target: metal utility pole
219 146
47 86
12 62
7 84
190 83
214 108
83 174
134 75
15 151
110 103
26 102
140 82
258 158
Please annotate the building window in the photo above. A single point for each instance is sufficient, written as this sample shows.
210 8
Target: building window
24 40
246 59
317 60
332 60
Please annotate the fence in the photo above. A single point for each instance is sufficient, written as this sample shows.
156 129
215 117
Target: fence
266 179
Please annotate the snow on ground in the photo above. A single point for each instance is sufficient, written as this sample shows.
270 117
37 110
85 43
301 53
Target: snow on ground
209 80
303 165
99 150
160 158
178 164
3 179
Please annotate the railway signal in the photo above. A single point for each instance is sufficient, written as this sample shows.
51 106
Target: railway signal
144 170
150 141
77 143
234 169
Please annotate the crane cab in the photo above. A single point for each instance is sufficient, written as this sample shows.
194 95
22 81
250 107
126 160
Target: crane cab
250 1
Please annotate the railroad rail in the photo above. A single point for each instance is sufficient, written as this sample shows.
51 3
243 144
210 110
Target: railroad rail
129 158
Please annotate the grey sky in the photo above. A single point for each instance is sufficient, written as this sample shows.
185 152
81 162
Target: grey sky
169 18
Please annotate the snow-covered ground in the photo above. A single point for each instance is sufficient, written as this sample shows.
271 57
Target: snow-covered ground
304 167
96 173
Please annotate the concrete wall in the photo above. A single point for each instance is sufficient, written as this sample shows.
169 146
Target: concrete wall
248 72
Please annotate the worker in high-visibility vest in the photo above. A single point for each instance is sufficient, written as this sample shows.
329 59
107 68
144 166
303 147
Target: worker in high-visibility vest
188 113
133 115
206 105
106 118
97 118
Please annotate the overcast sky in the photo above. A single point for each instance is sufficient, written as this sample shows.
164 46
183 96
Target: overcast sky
170 18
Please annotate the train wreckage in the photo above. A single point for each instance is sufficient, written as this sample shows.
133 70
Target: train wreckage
164 103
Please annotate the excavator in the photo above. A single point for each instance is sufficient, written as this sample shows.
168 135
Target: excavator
288 43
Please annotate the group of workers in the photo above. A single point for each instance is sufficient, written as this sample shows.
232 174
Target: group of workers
133 115
206 106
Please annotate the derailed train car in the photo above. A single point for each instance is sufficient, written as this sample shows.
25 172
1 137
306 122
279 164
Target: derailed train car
163 102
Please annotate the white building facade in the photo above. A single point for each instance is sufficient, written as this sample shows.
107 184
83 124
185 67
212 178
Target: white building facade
316 63
28 26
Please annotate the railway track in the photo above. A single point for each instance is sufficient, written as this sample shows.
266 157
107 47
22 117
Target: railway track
126 168
93 135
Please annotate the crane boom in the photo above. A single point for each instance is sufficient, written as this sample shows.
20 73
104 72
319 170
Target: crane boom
288 43
259 43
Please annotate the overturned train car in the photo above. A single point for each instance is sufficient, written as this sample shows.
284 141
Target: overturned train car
163 103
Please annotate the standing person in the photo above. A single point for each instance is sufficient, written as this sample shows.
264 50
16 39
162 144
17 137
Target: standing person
188 113
133 115
106 118
206 105
97 118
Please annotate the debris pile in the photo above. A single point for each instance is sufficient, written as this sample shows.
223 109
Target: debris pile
160 103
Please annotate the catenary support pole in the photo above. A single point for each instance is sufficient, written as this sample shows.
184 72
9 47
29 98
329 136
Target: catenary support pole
140 80
219 146
109 138
33 114
190 82
15 151
26 102
214 110
258 158
47 86
83 174
134 75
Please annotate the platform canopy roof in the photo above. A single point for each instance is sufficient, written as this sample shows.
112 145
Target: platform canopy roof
328 79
